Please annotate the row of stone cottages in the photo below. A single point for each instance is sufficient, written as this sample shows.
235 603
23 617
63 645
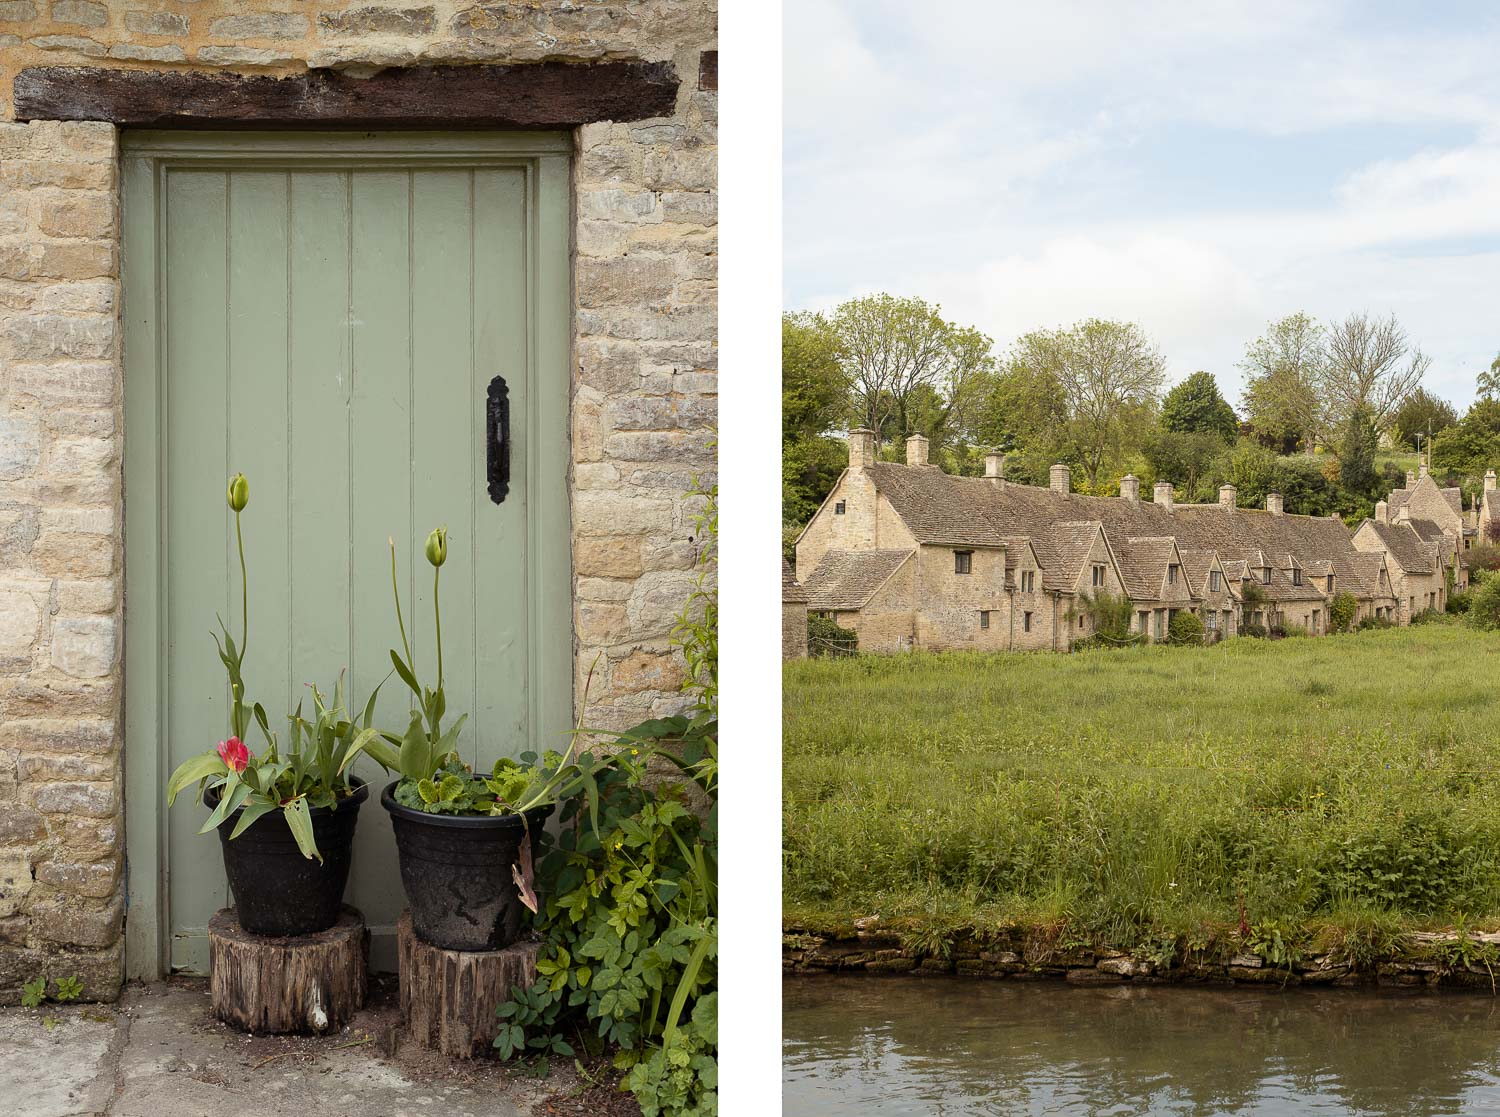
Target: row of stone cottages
911 557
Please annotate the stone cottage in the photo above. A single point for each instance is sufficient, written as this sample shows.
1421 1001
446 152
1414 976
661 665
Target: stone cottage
911 557
404 262
793 615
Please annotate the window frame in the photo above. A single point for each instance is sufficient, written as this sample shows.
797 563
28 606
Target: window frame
963 562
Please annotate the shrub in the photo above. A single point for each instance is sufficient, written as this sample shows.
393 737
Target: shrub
1484 604
1341 611
1185 628
1485 557
1458 603
1108 618
826 637
1291 631
1428 616
1256 630
1374 622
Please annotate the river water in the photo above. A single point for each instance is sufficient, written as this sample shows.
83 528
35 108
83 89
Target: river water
903 1045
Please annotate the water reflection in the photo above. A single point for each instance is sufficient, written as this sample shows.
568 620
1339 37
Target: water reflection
914 1046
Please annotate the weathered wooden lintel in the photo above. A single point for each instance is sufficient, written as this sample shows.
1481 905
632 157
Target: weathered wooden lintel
539 95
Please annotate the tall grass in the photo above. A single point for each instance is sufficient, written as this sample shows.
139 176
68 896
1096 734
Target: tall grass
1149 791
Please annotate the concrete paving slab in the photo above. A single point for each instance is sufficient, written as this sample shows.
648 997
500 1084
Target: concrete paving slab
66 1070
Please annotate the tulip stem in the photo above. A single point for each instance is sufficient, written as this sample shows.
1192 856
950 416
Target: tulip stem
437 617
397 591
244 588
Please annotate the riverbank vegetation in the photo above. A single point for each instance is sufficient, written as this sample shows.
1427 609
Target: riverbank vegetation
1255 790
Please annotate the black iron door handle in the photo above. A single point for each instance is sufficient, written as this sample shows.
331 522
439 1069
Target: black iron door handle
497 439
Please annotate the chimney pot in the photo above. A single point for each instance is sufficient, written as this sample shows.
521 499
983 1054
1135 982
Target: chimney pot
1273 503
916 450
994 467
1130 487
1162 494
1411 478
861 447
1062 479
1422 470
1489 480
1226 496
1382 512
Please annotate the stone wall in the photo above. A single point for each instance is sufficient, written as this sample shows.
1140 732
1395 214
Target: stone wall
643 407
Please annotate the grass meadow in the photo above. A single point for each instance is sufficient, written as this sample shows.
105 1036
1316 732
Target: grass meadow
1131 795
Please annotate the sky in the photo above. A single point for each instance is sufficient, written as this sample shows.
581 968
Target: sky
1199 168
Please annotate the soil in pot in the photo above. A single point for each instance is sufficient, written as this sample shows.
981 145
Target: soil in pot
456 870
276 890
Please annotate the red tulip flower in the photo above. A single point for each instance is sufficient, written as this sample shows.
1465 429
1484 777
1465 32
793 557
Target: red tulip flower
234 753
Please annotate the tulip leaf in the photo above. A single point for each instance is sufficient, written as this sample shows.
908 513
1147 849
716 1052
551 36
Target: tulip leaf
251 812
416 753
193 770
300 821
405 672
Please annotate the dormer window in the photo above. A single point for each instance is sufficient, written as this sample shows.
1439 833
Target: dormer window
963 562
1330 583
1265 575
1171 574
838 508
1296 575
1028 581
1098 576
1213 581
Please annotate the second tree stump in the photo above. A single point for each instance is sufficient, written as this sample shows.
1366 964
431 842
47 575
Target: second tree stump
301 983
449 997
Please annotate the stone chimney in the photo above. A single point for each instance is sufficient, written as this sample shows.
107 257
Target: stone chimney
1382 512
1226 496
916 450
1062 479
861 447
994 468
1162 494
1273 503
1411 479
1489 480
1130 487
1422 470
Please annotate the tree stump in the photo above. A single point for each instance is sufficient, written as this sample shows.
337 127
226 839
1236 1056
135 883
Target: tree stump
301 983
449 997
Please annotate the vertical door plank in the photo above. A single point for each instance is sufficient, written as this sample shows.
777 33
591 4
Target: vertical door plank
380 477
501 339
196 402
259 436
319 427
444 448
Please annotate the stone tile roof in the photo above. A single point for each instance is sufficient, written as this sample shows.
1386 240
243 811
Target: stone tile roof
1406 546
846 580
1492 503
791 591
1428 530
1145 564
1071 542
1369 566
1195 567
941 508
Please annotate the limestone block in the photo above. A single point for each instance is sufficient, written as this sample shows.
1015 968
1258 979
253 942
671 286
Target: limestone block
630 281
20 824
78 215
20 447
67 553
260 25
78 922
66 736
138 53
20 618
617 556
618 513
90 47
47 336
17 11
68 259
378 21
95 296
84 647
156 23
642 670
93 800
599 623
15 881
85 13
244 56
97 879
70 382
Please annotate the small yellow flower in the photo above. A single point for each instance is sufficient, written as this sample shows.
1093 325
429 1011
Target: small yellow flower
635 752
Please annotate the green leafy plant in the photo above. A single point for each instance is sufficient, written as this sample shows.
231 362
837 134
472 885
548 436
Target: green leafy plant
1185 627
1341 611
313 770
69 988
34 992
696 629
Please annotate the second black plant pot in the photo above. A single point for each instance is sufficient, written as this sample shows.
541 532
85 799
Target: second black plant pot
456 871
276 890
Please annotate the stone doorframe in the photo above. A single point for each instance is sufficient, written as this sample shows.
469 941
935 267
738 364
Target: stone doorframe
642 410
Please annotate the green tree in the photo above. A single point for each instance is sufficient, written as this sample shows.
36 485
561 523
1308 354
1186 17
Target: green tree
1184 458
1111 376
1356 453
891 347
1471 445
1282 368
1489 381
813 395
1341 611
1420 414
1195 406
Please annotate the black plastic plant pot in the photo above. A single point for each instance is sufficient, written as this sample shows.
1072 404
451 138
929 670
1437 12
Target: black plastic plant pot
276 890
456 871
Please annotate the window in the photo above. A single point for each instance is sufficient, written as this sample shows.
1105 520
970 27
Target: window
1026 622
1098 576
1028 581
1330 583
1213 581
1296 575
1213 621
1265 575
1171 574
1468 543
1145 620
1080 622
984 618
1161 620
838 509
1315 620
963 562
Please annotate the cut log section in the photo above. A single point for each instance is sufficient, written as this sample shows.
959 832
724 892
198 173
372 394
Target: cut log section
449 997
302 983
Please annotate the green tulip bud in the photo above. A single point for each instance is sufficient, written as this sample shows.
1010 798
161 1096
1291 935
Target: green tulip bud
239 492
437 546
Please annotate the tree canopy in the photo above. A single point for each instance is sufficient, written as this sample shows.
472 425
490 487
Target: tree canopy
1195 406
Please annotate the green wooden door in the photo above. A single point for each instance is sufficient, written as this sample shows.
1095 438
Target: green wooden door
326 314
